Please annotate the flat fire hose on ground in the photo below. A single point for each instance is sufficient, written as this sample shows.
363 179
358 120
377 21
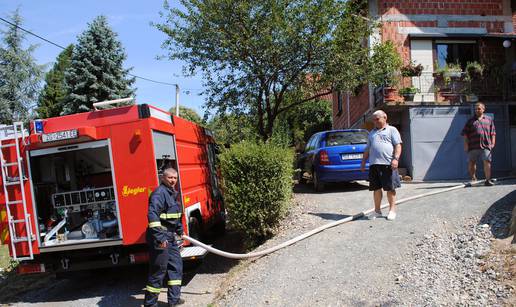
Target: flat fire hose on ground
324 227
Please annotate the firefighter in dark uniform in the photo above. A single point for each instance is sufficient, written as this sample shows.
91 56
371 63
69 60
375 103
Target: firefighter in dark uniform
165 261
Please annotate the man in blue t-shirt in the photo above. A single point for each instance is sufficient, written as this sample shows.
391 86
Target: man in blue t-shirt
383 151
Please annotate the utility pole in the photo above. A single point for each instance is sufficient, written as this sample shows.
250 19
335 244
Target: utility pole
177 99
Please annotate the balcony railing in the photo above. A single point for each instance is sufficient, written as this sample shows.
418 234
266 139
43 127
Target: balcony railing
452 89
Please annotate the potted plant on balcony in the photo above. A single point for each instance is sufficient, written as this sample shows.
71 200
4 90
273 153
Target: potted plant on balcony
453 70
448 71
408 93
412 70
474 72
385 69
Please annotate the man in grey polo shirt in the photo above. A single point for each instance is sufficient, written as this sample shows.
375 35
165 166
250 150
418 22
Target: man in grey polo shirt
383 150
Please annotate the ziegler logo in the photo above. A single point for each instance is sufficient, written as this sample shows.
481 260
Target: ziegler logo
127 191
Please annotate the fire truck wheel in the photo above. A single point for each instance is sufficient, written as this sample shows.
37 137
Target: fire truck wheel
194 228
220 228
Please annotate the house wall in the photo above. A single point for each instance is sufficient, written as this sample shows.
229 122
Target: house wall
456 7
358 106
400 18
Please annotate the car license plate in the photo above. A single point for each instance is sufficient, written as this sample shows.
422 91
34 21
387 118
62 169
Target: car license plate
351 156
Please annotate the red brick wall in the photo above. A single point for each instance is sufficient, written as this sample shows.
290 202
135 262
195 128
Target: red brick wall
437 7
358 105
451 7
491 52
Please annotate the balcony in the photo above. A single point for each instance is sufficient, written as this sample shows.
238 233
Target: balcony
432 89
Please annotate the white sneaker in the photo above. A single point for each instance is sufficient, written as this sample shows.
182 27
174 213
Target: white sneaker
391 216
374 215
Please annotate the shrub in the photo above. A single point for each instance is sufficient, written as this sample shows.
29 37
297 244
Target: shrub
385 65
412 70
474 71
257 183
408 90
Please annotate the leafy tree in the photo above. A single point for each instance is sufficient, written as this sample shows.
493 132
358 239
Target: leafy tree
232 128
252 54
51 99
386 62
96 72
306 119
188 114
19 74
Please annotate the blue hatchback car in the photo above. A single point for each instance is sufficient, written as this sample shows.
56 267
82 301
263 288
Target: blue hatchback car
334 156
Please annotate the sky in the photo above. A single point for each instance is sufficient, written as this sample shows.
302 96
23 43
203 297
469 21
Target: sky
61 21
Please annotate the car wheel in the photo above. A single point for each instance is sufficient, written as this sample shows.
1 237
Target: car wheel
318 185
302 180
220 228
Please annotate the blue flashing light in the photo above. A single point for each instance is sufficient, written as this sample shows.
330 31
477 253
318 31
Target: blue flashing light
38 126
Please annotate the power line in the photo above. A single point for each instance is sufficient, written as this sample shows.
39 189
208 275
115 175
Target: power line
59 46
42 38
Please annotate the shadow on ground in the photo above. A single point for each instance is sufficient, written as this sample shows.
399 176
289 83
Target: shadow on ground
115 287
498 216
307 188
330 216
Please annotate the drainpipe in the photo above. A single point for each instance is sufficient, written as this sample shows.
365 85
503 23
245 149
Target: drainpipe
347 108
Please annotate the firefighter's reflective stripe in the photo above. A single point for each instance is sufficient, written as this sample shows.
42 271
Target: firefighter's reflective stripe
154 224
175 282
169 216
152 289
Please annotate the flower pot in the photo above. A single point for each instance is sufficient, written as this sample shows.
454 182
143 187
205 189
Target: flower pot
390 94
471 98
453 74
451 98
409 97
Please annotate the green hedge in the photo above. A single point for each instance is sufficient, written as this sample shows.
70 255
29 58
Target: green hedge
257 182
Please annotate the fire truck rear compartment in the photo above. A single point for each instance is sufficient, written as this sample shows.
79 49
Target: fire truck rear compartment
74 194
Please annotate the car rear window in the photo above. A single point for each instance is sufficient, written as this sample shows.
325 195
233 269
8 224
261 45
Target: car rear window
346 138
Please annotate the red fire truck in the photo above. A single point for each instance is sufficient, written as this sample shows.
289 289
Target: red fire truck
75 188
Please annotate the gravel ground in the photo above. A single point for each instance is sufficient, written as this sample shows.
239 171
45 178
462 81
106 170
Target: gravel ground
437 252
454 268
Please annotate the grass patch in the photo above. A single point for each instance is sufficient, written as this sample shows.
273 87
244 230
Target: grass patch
13 285
4 257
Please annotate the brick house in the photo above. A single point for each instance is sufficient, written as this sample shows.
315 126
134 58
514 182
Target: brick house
440 35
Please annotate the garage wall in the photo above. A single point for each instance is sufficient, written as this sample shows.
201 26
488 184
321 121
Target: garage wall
437 146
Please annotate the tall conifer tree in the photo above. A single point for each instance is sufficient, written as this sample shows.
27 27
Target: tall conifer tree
19 74
50 103
96 72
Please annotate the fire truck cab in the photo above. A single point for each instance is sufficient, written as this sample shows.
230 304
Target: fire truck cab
75 188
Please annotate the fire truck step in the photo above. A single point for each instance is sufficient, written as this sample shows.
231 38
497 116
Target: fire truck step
193 251
16 202
12 183
20 239
8 145
10 164
18 221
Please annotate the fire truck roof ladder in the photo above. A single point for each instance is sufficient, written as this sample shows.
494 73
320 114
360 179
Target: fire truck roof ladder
98 105
21 204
